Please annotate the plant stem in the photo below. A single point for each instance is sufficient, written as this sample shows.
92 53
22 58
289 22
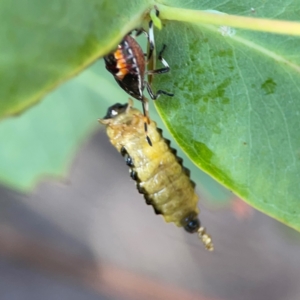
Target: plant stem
197 16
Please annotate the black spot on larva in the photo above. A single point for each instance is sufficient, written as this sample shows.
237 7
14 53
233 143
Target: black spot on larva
157 212
186 171
179 160
140 189
160 132
128 160
193 183
133 174
174 151
123 151
148 199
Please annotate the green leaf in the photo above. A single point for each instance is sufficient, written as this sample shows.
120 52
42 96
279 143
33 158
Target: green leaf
236 109
43 43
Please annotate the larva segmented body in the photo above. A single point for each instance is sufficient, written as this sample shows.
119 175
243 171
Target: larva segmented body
159 173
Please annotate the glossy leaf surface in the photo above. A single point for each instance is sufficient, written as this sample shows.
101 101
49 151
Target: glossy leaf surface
236 110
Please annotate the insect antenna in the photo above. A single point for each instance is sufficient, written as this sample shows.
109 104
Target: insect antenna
165 69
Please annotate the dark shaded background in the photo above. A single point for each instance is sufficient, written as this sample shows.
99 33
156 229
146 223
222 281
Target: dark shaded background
91 236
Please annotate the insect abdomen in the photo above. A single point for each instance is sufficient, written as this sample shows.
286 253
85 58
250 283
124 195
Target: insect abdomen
158 171
167 187
127 64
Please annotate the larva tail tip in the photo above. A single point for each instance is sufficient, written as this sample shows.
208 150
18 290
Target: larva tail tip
206 239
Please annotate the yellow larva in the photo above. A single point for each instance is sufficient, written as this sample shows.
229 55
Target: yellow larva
159 173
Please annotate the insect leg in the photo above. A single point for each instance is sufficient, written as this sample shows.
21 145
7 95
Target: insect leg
151 36
158 93
166 68
140 31
146 118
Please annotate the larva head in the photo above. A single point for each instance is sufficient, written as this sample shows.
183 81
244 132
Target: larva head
119 114
124 124
115 110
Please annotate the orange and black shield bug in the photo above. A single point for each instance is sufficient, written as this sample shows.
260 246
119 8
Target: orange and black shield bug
157 170
128 66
